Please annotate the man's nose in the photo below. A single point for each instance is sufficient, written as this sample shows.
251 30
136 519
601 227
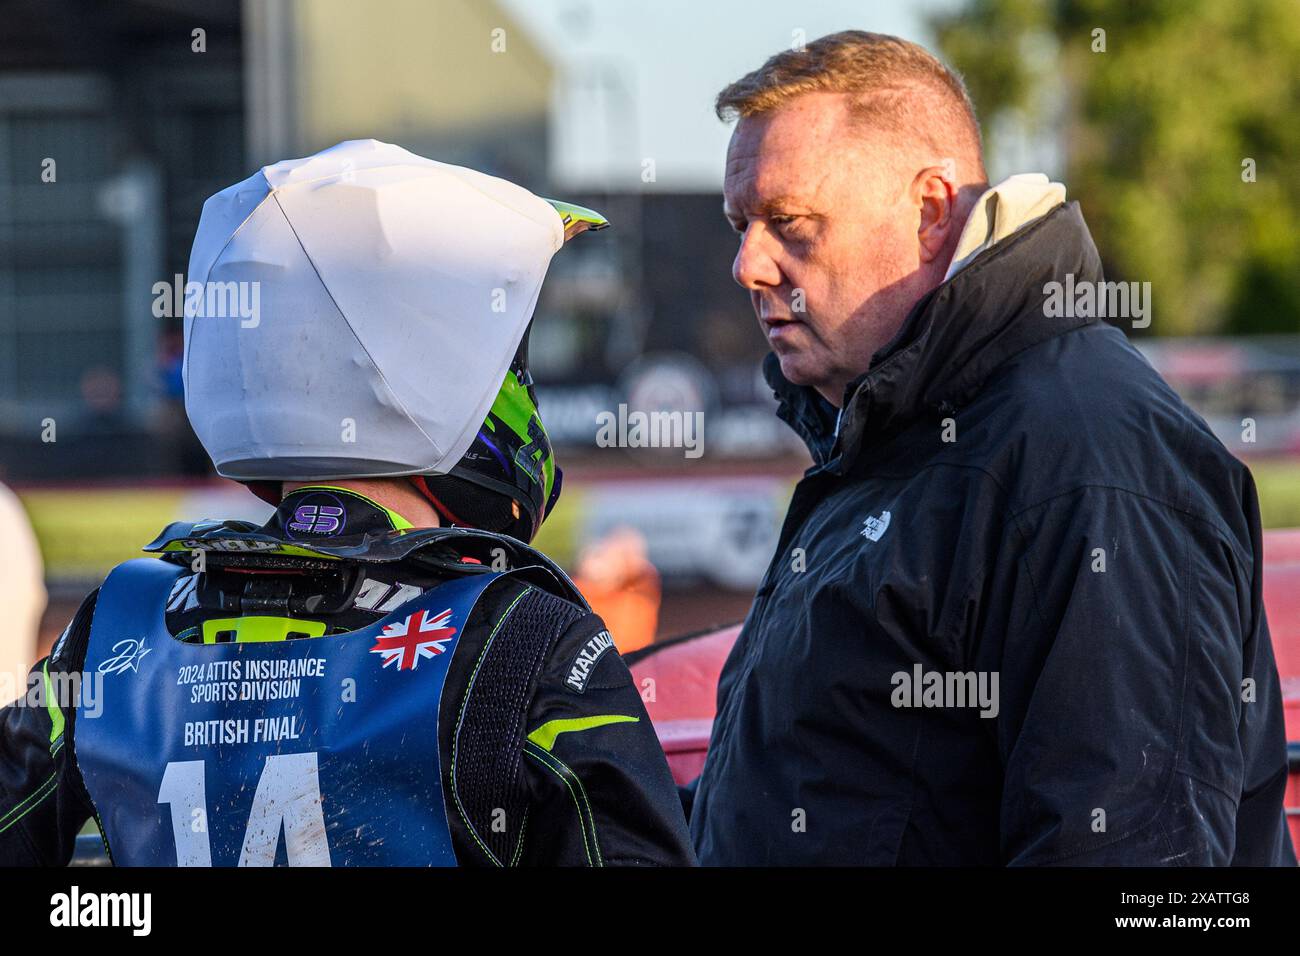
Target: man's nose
754 268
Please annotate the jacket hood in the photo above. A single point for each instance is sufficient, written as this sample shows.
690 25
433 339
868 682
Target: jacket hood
951 341
1015 202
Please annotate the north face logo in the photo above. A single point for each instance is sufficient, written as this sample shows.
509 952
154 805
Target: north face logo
874 527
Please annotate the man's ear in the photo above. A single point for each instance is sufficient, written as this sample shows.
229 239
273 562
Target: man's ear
935 191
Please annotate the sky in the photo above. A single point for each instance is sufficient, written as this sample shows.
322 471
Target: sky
637 79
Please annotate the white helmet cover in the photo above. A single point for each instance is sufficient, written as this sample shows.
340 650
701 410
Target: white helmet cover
391 293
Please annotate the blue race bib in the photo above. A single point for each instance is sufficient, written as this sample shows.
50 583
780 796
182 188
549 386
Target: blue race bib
312 752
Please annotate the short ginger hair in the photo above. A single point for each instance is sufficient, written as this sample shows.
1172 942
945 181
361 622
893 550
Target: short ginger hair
896 86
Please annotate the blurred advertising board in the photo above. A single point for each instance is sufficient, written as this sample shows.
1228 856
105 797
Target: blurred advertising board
716 531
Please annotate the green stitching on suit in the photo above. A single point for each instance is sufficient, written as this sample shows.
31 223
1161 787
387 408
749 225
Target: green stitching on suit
565 773
460 718
30 803
538 755
519 847
582 791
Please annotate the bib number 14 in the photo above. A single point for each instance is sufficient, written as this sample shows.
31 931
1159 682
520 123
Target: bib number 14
287 799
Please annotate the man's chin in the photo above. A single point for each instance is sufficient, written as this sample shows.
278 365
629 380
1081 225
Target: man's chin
798 370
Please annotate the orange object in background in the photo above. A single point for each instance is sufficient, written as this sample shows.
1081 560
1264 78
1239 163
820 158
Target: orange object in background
616 577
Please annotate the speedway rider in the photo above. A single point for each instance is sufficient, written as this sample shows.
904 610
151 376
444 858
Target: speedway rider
385 673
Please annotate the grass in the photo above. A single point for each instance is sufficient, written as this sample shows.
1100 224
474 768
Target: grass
1279 492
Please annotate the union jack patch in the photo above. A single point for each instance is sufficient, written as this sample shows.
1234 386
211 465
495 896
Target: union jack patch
415 637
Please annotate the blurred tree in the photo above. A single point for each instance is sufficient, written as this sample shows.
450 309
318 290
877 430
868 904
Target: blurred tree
1155 131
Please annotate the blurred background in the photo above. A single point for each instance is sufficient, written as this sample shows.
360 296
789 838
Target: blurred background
1178 137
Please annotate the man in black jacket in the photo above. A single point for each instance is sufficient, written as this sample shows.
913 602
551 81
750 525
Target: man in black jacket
1014 616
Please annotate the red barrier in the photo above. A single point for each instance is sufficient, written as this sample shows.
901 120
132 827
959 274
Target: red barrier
682 693
1282 602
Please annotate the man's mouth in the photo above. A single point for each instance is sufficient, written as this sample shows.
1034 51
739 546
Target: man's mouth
779 326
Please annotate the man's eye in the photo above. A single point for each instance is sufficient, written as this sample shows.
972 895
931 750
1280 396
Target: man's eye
787 225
